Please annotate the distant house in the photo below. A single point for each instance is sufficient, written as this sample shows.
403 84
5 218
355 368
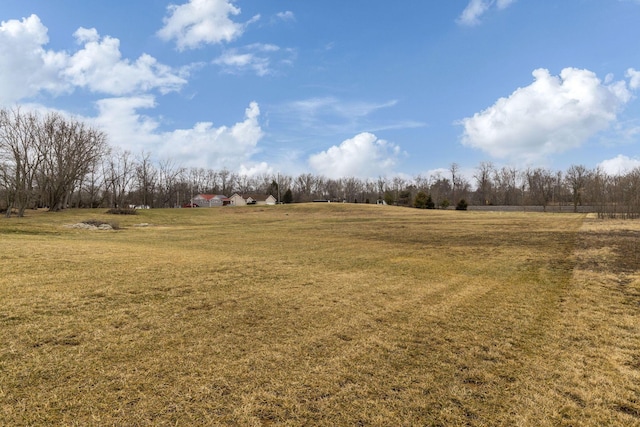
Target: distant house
210 200
252 199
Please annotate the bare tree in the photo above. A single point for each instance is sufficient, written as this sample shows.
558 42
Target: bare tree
211 182
119 171
197 178
440 188
169 177
351 187
633 193
20 158
576 178
227 179
381 185
541 186
145 179
399 184
422 183
245 184
506 186
92 194
69 149
483 174
285 182
332 189
304 186
454 169
370 190
266 183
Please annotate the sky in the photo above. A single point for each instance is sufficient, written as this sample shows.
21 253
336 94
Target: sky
358 88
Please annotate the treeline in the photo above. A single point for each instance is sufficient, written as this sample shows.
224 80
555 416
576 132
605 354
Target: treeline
55 162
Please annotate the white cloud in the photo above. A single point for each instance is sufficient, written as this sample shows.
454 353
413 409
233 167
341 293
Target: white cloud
502 4
100 68
286 16
199 22
203 145
207 146
362 156
551 115
314 112
619 165
326 117
26 67
257 58
476 8
127 128
634 78
254 169
472 13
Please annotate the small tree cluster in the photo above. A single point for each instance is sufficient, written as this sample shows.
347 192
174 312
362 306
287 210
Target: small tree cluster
44 159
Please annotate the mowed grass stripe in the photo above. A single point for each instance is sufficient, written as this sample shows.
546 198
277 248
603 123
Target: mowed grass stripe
302 314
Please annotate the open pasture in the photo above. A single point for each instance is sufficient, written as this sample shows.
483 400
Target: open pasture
319 314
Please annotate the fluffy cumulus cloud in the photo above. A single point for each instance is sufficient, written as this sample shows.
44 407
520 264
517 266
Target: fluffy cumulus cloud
199 22
216 147
31 68
126 127
476 8
203 145
98 66
551 115
619 165
362 156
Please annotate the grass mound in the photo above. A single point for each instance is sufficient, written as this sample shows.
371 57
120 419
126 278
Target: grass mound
96 224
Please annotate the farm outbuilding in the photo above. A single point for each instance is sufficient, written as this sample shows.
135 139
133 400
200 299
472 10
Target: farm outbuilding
252 199
210 200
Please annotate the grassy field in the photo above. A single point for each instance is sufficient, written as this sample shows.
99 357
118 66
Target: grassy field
319 314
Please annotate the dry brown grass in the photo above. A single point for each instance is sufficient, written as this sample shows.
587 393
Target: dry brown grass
319 315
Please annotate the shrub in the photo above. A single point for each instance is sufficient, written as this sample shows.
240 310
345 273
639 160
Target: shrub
430 203
462 205
420 201
122 211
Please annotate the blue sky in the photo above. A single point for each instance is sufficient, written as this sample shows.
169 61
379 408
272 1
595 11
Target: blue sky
359 88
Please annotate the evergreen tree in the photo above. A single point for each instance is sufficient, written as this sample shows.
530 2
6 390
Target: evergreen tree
420 201
288 196
430 203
